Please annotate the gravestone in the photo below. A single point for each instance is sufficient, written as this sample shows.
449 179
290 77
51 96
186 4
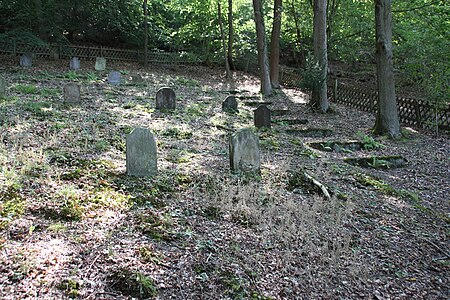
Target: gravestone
141 153
230 104
114 78
2 87
137 78
100 63
75 63
262 117
26 60
54 54
244 152
72 93
165 98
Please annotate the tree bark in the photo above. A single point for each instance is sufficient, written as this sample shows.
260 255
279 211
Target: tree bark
275 45
387 121
230 35
266 87
224 47
145 34
319 94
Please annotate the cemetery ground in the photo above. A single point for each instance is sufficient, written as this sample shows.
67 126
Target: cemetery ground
73 225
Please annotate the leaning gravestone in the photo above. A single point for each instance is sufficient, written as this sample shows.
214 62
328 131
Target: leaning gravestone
244 152
114 78
262 117
72 93
100 64
75 63
230 104
2 87
26 60
165 98
141 153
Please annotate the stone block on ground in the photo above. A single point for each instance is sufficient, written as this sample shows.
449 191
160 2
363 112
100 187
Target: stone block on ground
141 153
26 60
100 63
75 63
72 93
230 104
244 152
114 78
262 117
165 98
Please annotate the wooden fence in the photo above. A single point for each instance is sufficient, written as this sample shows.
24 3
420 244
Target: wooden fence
56 51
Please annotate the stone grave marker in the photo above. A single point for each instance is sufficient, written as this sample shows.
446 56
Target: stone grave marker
165 98
137 78
262 117
141 153
2 87
72 93
26 60
75 63
244 152
100 63
114 78
230 104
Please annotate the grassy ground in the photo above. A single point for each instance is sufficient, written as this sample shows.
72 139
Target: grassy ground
74 225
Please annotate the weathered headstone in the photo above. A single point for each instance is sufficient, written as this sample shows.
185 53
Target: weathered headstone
26 60
262 117
114 78
100 63
75 63
230 104
54 54
72 93
141 153
2 87
165 98
137 78
244 152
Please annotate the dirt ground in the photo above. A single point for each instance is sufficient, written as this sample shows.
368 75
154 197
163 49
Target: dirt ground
73 225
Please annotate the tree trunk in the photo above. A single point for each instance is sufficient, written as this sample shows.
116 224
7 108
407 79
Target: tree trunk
224 47
40 30
230 35
275 45
266 87
145 34
319 94
387 121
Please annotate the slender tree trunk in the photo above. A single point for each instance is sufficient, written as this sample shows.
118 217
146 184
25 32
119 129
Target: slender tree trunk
266 87
40 30
319 94
145 34
297 32
275 45
230 35
387 121
222 34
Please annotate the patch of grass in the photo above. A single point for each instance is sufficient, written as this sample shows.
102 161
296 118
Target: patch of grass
90 77
40 110
177 133
70 287
108 197
148 255
195 110
187 81
369 143
26 89
11 205
179 156
133 283
377 183
72 75
72 210
306 152
102 145
270 144
47 92
57 227
155 224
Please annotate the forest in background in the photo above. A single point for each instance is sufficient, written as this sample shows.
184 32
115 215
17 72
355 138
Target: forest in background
420 32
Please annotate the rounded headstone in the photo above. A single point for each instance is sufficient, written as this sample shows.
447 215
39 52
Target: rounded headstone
114 78
141 153
26 60
165 98
262 117
230 104
244 152
72 93
75 63
100 63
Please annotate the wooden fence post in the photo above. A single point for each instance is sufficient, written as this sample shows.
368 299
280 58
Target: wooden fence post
417 109
335 87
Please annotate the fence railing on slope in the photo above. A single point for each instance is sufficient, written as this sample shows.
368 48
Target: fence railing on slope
12 47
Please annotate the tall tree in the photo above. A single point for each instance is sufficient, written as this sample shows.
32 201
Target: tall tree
224 47
266 87
275 45
319 93
230 35
387 121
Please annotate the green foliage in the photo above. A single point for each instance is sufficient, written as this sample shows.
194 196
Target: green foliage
133 283
26 89
11 205
312 76
369 143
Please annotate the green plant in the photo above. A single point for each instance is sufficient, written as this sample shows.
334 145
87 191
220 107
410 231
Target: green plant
91 77
11 205
133 283
379 163
70 287
26 89
368 142
71 75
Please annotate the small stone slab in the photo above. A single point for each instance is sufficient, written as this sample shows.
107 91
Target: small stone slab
114 78
377 162
337 146
230 104
310 132
26 60
75 63
262 117
100 63
141 153
244 152
72 93
291 121
165 98
2 87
